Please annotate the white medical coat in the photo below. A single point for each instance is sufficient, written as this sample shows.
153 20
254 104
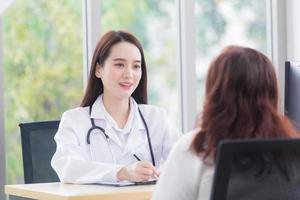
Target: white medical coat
75 161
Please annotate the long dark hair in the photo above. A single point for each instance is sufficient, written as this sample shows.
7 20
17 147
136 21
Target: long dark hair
101 53
241 101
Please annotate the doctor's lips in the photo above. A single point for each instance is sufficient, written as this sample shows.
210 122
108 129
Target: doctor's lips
126 85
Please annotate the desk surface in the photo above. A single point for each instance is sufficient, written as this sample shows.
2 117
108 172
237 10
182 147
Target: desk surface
59 191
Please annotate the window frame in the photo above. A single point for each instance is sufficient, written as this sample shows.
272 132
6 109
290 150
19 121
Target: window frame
187 63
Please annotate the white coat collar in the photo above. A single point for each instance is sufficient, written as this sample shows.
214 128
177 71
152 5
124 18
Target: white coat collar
137 124
111 122
137 120
98 113
137 138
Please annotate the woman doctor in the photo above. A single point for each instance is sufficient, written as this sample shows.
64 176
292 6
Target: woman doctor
114 135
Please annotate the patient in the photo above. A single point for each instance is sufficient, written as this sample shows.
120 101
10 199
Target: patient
241 101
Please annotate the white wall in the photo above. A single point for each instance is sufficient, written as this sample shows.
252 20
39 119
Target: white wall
293 30
285 37
277 37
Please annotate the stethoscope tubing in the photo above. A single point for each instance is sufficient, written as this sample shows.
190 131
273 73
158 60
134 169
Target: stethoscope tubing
148 137
94 127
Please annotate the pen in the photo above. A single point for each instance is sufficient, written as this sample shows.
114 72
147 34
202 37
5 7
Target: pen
137 157
155 173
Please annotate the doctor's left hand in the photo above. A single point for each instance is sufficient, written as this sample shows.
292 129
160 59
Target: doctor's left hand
137 172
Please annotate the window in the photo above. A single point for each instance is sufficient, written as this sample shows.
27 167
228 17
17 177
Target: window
222 23
42 68
153 22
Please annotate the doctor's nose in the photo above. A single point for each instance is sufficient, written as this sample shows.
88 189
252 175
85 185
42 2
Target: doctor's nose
128 72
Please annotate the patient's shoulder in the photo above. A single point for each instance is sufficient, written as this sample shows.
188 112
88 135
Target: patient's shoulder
185 141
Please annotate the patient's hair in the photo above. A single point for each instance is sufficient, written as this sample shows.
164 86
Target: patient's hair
241 101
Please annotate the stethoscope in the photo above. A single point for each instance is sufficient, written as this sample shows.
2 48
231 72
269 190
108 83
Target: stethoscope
94 127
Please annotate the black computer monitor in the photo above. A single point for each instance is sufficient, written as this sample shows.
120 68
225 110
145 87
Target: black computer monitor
292 92
260 169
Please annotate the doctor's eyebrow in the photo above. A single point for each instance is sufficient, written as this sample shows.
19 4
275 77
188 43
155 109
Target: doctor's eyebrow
122 59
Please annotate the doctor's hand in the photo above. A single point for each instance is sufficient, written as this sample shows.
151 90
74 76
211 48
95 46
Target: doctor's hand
137 172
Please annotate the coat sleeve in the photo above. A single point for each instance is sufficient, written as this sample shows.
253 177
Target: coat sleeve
69 160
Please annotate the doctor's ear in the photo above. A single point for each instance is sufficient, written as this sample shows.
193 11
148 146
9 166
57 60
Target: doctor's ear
98 70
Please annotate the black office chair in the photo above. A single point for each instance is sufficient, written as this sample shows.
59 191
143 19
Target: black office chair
292 92
260 169
38 147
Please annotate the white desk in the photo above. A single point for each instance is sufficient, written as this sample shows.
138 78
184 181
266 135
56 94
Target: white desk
59 191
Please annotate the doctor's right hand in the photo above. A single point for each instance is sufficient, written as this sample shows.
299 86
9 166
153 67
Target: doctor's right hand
137 172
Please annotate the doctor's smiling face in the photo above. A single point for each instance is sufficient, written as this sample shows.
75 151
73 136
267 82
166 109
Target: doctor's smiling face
118 69
121 72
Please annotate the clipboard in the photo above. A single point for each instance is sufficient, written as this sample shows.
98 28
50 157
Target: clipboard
127 183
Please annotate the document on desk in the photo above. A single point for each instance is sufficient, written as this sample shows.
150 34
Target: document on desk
128 183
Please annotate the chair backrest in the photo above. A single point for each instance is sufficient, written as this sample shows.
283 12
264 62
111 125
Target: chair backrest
260 169
38 147
292 92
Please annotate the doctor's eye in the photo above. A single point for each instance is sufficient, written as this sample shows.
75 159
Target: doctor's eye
119 64
137 66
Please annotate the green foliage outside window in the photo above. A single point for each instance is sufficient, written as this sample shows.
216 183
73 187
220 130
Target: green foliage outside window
42 68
